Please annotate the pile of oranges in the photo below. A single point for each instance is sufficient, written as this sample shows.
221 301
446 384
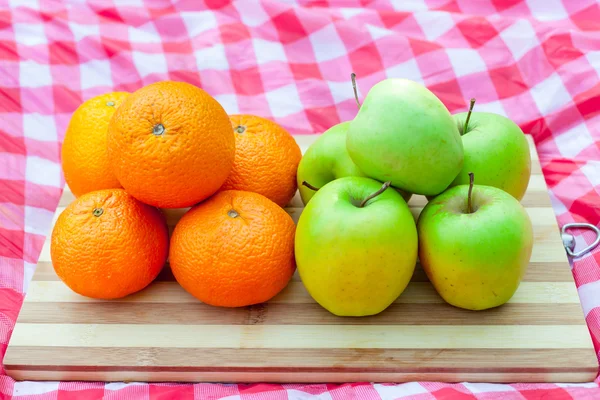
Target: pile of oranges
128 156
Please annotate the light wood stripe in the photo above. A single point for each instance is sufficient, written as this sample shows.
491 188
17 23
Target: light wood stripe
536 272
304 336
295 293
293 314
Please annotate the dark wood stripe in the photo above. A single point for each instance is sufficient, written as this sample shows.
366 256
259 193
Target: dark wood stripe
293 314
302 360
537 272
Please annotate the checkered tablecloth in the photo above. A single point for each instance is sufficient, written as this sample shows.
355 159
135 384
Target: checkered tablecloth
536 61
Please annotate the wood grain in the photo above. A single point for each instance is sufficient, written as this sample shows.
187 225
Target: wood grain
295 293
196 313
303 336
164 334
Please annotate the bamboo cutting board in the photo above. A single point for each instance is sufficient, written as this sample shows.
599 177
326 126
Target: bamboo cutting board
164 334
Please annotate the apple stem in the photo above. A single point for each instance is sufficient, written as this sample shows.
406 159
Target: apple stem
377 193
469 115
353 77
471 179
308 185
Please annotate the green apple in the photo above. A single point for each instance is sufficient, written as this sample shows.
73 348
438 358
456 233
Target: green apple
356 246
496 151
325 160
404 134
475 247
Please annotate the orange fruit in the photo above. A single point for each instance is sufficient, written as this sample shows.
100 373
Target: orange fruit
235 249
171 144
84 153
266 159
107 245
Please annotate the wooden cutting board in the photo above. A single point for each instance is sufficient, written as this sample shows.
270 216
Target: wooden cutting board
164 334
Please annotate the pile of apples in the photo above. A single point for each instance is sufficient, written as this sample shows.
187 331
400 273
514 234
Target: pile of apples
357 241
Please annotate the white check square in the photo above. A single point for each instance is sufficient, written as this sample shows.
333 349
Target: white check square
39 127
95 73
212 58
34 75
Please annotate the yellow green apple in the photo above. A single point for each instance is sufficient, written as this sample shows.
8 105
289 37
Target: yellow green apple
356 246
475 247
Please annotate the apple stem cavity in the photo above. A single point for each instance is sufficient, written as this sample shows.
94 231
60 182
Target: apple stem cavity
469 115
353 77
471 179
308 185
377 193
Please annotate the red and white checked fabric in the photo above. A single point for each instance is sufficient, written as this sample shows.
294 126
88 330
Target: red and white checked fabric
536 61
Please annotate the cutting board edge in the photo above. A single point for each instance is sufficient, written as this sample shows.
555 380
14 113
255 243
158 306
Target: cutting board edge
584 376
374 364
